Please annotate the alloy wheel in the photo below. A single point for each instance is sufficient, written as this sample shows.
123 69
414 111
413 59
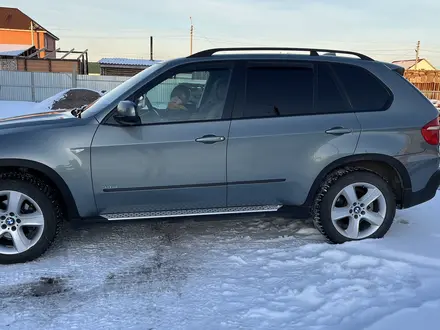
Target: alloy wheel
358 210
21 222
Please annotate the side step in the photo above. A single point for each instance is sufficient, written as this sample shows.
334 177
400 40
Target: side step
190 213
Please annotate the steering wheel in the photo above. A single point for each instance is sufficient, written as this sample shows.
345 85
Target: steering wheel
155 111
149 109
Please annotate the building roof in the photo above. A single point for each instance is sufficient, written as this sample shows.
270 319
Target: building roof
15 19
408 63
127 61
13 50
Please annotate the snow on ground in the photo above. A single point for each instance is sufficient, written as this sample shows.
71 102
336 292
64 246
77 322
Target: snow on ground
16 108
436 103
20 108
237 273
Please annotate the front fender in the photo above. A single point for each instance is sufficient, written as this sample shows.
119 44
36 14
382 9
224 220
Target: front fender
62 153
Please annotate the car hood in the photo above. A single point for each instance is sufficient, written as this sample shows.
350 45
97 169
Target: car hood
41 116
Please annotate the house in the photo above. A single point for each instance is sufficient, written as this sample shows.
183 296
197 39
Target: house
25 45
124 66
422 64
19 34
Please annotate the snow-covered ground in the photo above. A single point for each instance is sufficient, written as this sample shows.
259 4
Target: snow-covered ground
16 108
260 273
19 108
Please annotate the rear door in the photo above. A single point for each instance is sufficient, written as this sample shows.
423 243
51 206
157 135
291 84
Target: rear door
291 119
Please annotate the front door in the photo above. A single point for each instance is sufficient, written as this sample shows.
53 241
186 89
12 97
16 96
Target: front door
176 159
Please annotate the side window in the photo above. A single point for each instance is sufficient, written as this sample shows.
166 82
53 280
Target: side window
365 91
194 95
186 87
329 98
278 91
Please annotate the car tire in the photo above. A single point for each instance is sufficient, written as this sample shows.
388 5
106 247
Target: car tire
27 233
343 193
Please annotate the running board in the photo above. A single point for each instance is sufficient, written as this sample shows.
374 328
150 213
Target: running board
190 213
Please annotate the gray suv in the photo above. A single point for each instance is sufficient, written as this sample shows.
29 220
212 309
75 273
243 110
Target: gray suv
330 135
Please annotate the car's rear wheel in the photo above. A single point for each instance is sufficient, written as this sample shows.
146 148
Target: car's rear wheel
30 217
354 204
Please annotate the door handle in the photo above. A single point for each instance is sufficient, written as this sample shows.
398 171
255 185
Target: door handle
210 139
339 130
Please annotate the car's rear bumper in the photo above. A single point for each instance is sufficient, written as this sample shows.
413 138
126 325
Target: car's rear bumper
411 198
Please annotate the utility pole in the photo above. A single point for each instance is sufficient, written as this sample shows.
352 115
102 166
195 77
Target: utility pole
151 48
191 37
417 54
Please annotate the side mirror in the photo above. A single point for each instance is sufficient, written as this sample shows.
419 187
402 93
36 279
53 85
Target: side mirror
126 113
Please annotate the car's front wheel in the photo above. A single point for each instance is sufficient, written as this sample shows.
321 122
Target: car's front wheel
30 217
354 204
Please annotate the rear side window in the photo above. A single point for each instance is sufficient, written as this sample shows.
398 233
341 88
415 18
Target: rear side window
278 91
365 91
329 98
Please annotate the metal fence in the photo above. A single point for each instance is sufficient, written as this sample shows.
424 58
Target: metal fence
37 86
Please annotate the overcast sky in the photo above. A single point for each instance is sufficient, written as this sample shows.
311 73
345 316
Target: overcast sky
383 29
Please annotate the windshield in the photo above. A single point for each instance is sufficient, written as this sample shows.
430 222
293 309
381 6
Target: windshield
113 95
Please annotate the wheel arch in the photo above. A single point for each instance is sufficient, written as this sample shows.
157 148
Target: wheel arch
48 174
386 166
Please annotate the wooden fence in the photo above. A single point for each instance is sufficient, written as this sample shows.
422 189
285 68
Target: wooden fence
48 65
43 65
428 81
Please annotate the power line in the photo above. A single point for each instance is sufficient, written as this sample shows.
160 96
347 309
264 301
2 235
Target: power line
123 37
215 41
255 42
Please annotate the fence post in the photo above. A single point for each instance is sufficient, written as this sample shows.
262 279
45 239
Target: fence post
74 77
33 87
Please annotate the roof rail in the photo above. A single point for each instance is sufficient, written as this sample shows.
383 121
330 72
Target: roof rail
313 51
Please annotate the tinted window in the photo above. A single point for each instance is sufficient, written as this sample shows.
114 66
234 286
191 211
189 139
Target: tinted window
278 91
329 97
364 90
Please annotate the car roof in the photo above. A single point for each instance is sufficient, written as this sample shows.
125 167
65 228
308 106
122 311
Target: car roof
275 57
279 54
